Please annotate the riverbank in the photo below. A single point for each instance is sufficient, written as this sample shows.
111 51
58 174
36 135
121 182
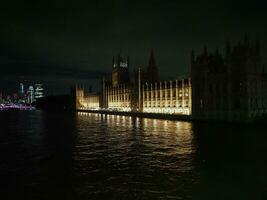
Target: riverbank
142 115
4 107
175 117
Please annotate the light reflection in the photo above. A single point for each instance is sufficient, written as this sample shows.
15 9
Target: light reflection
145 122
165 125
137 122
177 134
123 121
177 125
171 132
155 123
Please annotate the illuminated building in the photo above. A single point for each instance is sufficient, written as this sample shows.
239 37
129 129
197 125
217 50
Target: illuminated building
30 95
22 95
173 97
142 95
39 91
21 88
88 101
118 97
226 87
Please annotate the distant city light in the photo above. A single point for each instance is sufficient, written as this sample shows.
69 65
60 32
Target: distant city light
22 99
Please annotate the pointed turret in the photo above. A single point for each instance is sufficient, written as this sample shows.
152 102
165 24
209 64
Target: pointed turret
152 62
113 61
152 70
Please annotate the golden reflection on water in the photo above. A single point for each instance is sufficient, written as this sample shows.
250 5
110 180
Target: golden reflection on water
166 133
176 134
138 147
158 125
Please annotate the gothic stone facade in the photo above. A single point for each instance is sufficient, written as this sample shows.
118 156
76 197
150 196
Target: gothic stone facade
143 94
84 100
229 87
172 97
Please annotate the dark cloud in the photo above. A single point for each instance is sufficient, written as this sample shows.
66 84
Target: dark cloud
21 69
63 38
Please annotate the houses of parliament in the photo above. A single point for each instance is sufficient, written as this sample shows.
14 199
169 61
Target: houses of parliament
231 86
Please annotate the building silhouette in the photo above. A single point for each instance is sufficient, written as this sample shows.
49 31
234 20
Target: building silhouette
230 86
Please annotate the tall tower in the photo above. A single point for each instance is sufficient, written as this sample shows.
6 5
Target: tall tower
30 95
21 93
120 70
152 70
21 89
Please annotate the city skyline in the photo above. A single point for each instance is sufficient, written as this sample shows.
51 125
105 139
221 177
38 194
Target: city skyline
25 93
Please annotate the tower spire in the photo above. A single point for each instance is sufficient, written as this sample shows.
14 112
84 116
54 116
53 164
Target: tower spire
152 70
152 62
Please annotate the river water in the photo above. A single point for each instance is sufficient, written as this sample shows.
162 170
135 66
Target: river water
91 156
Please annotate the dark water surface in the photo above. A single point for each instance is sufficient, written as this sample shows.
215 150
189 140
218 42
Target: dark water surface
77 156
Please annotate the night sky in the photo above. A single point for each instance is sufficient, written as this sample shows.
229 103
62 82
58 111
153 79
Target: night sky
61 42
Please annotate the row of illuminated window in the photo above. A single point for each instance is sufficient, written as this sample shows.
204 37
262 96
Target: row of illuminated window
91 99
118 97
167 85
165 93
166 89
163 97
168 104
117 91
118 105
92 105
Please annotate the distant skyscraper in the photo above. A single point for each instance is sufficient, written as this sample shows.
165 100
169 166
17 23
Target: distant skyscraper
21 88
1 98
39 91
30 95
21 93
